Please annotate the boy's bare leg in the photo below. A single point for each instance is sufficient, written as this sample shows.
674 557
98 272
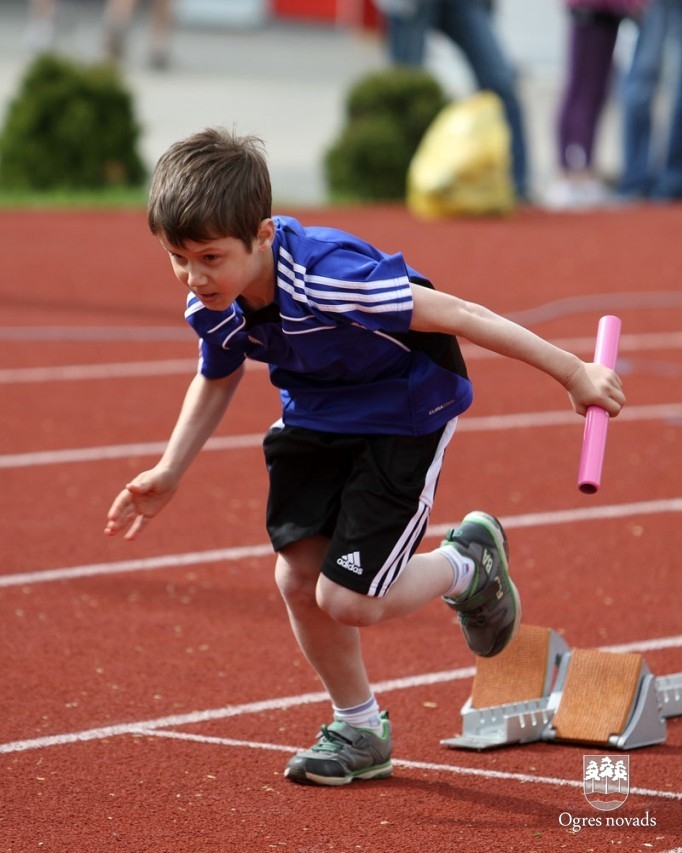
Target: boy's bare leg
325 617
425 577
333 649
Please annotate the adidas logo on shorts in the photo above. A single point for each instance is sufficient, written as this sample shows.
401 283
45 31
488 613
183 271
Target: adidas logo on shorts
351 562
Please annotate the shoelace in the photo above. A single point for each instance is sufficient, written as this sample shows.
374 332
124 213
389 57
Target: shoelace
331 741
477 615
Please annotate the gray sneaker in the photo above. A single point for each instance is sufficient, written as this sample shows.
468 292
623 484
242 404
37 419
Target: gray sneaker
490 610
342 754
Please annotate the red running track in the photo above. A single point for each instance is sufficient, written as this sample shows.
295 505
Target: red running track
151 691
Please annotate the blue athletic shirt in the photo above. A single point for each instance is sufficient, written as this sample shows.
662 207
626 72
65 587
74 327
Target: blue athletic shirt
337 339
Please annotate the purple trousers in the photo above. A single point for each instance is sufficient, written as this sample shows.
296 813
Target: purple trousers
590 64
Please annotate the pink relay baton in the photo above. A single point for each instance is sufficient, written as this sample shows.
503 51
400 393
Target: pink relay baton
597 419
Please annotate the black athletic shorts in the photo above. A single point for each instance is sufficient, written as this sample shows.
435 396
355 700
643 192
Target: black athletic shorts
371 495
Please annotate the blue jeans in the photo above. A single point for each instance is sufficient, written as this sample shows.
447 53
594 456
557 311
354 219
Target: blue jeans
468 23
642 175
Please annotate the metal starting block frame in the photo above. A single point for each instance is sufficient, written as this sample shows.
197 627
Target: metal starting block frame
586 696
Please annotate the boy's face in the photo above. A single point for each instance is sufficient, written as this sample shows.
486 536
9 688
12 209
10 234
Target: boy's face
218 271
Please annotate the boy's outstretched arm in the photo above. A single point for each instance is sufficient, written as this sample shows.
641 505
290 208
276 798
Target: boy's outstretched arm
143 497
587 383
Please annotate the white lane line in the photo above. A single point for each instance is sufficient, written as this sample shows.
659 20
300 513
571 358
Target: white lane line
80 372
603 302
146 564
522 420
118 451
119 370
458 770
195 717
285 702
125 334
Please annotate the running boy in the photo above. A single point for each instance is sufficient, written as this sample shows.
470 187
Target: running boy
371 379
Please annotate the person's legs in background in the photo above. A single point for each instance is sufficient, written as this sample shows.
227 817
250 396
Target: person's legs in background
668 184
469 24
406 29
638 93
161 25
118 16
591 44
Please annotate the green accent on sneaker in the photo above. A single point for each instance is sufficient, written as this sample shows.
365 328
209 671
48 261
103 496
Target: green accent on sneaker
342 754
490 610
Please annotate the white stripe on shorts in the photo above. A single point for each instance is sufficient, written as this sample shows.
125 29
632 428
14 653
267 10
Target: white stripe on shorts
402 551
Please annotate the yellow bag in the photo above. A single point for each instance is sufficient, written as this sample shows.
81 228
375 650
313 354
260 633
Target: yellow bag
462 164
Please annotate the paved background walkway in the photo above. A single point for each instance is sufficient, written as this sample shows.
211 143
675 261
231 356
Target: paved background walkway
286 81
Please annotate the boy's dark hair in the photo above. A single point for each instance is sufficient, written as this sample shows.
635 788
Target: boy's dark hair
210 185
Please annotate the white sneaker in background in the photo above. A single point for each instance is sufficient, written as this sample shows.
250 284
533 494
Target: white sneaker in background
577 193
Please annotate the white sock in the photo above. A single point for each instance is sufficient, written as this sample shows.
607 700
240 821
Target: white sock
462 568
363 716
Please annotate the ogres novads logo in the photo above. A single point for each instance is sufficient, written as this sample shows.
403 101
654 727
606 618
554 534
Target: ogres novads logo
606 785
606 780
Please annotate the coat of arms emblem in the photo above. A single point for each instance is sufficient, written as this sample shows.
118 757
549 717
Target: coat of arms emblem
606 780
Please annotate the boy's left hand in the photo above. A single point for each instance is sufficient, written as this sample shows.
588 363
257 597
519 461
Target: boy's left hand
596 385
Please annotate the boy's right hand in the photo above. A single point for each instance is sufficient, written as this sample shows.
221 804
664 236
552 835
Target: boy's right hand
140 501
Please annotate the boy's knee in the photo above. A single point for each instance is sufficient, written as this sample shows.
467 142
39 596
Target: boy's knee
298 568
294 586
347 607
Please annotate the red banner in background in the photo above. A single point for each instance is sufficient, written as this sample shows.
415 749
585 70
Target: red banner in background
361 13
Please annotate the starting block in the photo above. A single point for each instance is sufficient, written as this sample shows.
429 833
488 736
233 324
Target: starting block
606 698
539 689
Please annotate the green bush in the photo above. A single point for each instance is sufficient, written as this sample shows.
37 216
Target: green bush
70 126
387 113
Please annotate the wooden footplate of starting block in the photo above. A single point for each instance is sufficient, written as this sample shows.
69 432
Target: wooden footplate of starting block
540 689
